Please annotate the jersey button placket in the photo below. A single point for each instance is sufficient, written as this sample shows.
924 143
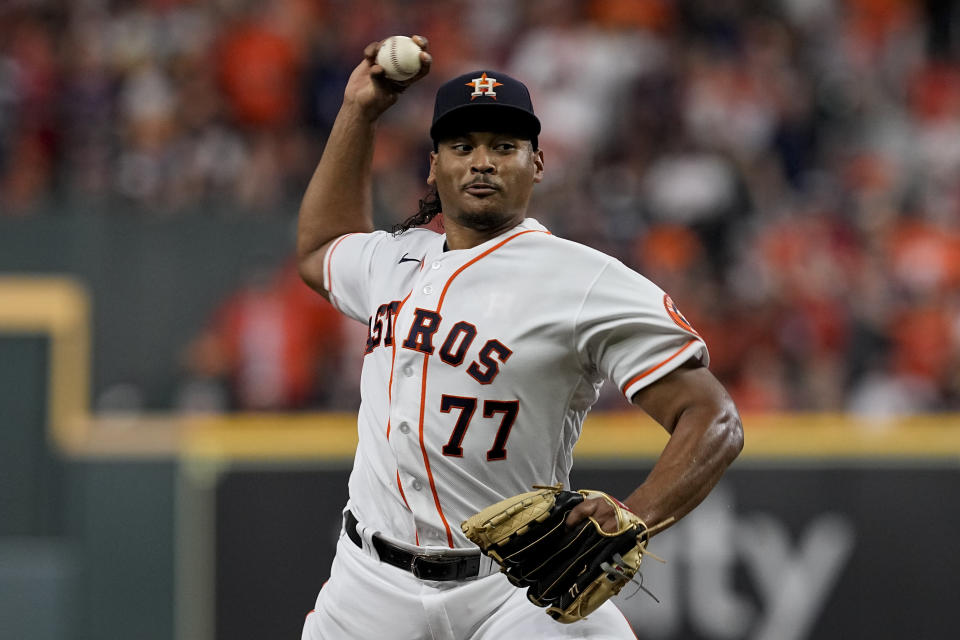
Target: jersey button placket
418 495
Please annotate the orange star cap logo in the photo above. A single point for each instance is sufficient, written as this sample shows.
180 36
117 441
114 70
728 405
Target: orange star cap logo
484 86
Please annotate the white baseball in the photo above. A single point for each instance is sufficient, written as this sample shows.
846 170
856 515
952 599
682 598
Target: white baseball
400 58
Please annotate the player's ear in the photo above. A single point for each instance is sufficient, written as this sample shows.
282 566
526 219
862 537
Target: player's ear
538 164
431 177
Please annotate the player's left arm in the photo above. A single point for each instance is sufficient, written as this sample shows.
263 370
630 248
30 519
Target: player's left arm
706 435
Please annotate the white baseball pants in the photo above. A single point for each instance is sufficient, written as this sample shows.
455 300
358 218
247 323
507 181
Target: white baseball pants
367 599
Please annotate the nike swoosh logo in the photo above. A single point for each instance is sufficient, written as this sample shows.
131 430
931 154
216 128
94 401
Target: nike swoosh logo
406 259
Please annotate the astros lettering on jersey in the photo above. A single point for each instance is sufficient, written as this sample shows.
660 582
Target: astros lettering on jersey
481 356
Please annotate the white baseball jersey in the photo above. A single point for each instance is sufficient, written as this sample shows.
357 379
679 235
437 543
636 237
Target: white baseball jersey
482 363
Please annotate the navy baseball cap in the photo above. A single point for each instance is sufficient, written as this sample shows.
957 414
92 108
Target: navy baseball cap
484 101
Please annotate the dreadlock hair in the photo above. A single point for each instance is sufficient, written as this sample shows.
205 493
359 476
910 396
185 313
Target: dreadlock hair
429 208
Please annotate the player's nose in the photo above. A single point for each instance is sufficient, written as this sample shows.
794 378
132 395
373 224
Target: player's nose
481 161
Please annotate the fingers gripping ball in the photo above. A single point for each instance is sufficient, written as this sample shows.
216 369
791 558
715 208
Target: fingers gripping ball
568 570
400 58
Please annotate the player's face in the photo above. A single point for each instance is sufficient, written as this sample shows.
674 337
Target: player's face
485 179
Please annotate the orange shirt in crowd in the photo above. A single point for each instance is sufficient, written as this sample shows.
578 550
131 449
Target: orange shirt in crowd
276 342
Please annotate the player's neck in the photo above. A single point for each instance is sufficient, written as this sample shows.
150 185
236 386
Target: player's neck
463 237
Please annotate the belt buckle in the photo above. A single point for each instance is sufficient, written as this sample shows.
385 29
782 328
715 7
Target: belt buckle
426 567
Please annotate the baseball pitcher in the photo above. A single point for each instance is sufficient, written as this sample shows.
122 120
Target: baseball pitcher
486 348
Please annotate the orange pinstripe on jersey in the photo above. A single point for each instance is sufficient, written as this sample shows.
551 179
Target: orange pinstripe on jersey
482 255
400 486
644 374
423 385
426 458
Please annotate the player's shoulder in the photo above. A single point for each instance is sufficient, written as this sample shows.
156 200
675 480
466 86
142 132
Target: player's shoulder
566 253
387 245
413 236
580 265
410 239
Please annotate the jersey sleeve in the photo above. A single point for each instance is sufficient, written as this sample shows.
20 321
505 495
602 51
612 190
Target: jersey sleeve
347 272
631 332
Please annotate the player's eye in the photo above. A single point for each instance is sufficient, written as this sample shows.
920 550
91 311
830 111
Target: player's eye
505 146
461 147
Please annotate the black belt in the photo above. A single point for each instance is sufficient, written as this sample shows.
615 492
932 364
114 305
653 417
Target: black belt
425 567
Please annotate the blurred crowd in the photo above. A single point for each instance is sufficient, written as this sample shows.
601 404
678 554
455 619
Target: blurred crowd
788 170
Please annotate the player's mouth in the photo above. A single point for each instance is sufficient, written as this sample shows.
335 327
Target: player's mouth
481 189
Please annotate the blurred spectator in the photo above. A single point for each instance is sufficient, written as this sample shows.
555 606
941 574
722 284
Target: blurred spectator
259 71
578 72
272 345
29 78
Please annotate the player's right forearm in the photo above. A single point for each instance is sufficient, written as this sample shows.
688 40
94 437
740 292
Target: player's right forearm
339 198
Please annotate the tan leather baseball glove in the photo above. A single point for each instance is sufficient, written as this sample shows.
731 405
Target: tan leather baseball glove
568 570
